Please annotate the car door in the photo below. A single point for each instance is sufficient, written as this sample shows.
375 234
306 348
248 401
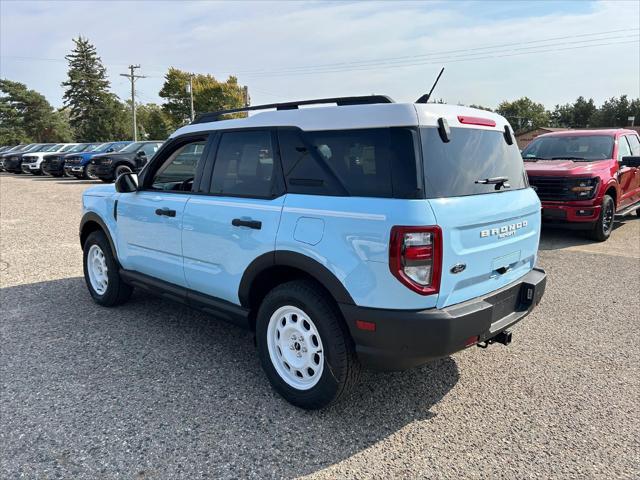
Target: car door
627 176
150 220
235 217
634 144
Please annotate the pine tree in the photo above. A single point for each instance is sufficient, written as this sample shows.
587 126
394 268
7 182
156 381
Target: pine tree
26 116
93 110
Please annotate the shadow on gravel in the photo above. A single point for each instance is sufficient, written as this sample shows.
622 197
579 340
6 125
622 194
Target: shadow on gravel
554 238
156 389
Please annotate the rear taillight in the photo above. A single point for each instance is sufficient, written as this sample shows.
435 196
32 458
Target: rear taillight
415 257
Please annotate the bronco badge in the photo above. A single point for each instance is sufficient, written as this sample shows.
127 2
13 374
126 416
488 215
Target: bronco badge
505 230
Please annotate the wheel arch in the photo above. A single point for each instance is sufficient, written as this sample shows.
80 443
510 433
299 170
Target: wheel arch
273 268
126 162
91 222
612 191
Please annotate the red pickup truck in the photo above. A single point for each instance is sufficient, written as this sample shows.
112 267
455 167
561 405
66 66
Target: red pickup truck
585 178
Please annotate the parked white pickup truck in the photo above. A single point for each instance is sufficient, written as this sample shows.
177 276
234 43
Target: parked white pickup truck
31 163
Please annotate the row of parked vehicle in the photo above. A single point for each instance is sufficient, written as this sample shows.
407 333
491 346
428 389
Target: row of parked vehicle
91 161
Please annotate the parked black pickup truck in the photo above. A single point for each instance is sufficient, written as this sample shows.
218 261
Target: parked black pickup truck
108 166
54 164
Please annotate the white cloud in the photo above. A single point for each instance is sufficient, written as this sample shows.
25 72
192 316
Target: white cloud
259 39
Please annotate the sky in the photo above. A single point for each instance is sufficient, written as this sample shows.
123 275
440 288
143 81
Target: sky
550 51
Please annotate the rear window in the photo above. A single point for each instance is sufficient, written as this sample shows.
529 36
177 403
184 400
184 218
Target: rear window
452 169
378 162
574 147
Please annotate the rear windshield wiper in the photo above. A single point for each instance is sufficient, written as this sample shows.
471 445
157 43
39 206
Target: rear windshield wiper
497 181
567 158
533 159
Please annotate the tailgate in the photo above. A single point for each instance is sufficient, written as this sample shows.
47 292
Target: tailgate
493 236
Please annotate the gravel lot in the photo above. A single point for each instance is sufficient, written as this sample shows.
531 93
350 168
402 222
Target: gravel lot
155 390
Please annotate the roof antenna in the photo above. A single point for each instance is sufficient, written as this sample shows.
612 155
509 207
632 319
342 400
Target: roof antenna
425 98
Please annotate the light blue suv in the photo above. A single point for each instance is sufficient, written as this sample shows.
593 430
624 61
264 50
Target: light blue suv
367 233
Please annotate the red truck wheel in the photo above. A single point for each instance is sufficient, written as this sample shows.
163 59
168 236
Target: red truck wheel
604 225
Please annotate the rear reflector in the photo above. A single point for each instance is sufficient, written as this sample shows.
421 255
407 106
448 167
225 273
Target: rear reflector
485 122
364 325
471 341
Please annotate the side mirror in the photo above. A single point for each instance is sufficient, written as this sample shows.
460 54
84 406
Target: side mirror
141 154
127 182
633 161
109 150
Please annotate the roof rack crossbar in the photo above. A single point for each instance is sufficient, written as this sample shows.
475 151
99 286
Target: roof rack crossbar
340 101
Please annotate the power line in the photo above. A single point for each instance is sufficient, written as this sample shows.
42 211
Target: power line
340 66
441 59
441 52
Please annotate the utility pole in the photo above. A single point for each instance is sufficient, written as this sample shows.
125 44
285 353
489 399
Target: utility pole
190 90
132 78
245 96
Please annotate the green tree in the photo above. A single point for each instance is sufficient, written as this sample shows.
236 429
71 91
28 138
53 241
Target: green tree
26 115
209 95
481 107
95 113
524 114
153 123
583 111
562 116
616 111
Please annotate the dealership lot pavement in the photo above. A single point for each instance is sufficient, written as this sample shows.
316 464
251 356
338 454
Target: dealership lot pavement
155 390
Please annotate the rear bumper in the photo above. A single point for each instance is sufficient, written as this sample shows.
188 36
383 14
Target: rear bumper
560 214
408 338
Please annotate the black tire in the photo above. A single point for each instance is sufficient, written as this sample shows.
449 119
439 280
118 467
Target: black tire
120 169
117 292
341 368
604 226
88 174
638 212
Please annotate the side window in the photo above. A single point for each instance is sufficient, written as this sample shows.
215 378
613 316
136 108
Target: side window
150 149
178 171
244 164
623 148
362 160
304 174
634 143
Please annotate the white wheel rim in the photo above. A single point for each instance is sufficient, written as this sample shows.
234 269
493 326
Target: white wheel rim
295 347
97 268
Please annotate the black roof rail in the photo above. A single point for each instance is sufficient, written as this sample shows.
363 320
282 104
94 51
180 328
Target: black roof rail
340 101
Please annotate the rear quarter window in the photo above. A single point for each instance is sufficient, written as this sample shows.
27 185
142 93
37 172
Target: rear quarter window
378 162
451 169
634 143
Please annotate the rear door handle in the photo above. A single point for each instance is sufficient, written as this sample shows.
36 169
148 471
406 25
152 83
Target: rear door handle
238 222
166 212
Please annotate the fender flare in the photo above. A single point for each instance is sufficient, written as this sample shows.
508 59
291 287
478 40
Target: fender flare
612 183
287 258
94 217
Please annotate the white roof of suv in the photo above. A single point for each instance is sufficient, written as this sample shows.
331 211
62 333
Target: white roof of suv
377 115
